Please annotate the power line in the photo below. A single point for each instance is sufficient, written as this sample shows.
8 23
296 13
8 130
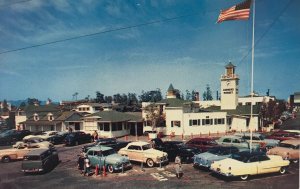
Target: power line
13 3
267 30
101 32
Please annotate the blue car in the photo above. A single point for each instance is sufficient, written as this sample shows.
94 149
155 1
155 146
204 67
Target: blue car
217 153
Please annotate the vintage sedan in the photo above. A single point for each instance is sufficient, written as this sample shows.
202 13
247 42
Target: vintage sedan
143 152
34 142
284 135
237 141
105 156
217 153
244 164
259 138
288 149
202 143
7 155
44 135
40 160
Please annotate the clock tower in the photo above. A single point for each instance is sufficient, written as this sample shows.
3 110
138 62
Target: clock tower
229 88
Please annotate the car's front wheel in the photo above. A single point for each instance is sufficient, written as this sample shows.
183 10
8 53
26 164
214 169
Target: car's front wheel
295 161
150 162
6 159
244 177
110 168
282 170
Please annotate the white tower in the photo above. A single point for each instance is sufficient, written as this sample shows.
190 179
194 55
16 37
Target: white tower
229 88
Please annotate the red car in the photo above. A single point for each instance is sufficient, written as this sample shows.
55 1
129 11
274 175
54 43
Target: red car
284 135
203 144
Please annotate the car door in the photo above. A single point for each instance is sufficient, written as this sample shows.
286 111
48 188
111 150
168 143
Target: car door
265 165
135 153
92 155
22 150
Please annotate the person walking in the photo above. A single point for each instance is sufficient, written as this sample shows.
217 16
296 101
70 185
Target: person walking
178 167
95 136
86 166
80 163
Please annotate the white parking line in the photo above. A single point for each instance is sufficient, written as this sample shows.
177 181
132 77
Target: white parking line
168 174
158 177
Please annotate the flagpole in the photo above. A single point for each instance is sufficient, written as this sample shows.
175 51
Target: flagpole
252 73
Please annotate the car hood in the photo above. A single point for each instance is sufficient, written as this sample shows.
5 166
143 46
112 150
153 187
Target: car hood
117 158
153 151
278 150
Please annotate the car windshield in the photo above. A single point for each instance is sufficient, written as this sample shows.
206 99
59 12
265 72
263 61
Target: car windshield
108 152
286 145
32 158
214 150
146 147
262 137
240 158
6 133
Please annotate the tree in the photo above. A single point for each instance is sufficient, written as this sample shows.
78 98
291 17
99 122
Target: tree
108 99
151 96
99 97
5 106
153 114
207 94
32 101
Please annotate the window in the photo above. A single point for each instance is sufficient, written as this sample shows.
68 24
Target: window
175 123
120 126
207 121
236 141
219 121
106 127
229 121
228 140
133 147
114 126
35 117
247 121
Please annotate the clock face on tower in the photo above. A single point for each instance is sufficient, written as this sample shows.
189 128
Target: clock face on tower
227 83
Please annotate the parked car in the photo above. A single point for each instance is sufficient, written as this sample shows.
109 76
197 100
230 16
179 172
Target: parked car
288 149
106 156
216 153
237 141
44 135
284 135
58 138
77 137
34 142
203 144
9 137
175 148
40 160
143 152
244 164
109 142
260 139
7 155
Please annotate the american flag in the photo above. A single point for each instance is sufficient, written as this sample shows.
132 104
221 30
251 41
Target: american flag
237 12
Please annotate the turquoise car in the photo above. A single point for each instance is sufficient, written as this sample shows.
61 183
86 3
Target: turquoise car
105 156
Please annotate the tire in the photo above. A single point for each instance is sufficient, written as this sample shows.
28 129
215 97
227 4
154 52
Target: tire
150 163
282 170
110 168
244 177
6 159
295 160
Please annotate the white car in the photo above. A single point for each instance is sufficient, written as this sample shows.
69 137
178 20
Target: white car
143 152
45 135
33 142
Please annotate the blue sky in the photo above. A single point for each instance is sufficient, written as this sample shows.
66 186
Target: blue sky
188 52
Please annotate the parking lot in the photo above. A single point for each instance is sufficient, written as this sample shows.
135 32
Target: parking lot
66 175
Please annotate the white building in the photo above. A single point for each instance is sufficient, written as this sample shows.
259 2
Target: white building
89 108
229 113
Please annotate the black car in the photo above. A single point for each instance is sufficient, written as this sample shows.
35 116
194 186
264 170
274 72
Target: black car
109 142
77 137
9 137
176 148
58 138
